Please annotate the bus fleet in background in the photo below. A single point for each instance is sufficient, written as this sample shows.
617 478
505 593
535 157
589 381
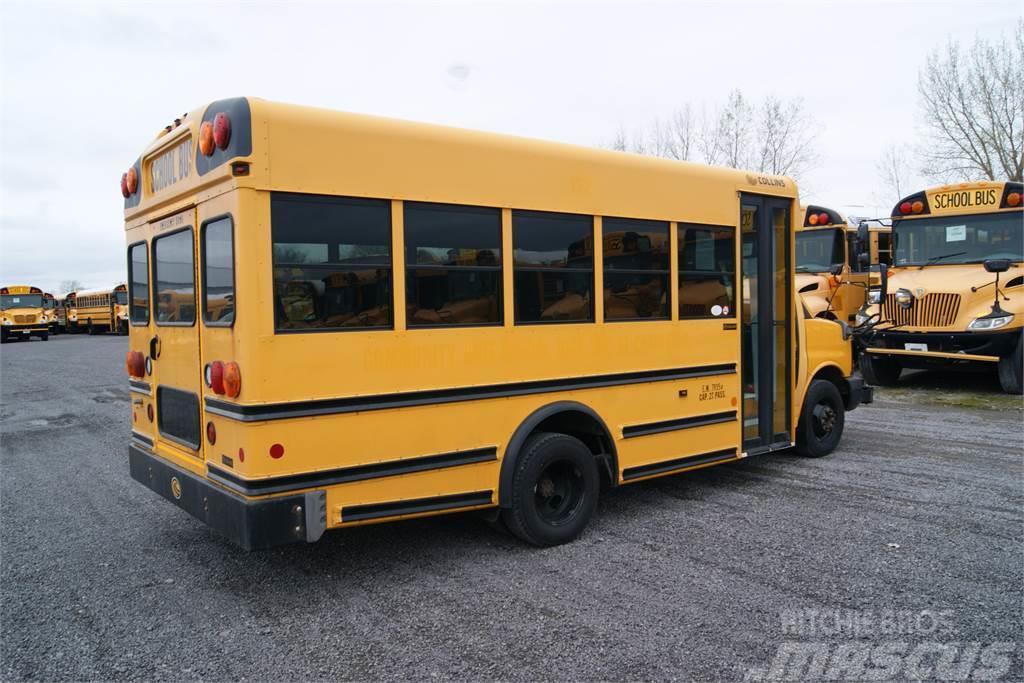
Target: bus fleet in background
27 311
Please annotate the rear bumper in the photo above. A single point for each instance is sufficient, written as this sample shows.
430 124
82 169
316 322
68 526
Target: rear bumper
251 523
860 393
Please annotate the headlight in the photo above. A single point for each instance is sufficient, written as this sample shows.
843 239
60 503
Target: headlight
861 318
6 321
904 298
987 323
874 296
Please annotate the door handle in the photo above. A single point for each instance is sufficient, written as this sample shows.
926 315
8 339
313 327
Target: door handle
154 347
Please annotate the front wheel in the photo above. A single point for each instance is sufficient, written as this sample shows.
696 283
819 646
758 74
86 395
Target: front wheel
44 336
554 490
821 420
1011 369
882 372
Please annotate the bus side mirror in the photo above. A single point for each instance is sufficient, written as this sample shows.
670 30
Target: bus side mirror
864 260
863 236
997 265
883 272
836 269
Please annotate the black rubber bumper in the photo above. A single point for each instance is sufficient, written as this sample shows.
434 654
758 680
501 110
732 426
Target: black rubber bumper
253 524
859 393
998 344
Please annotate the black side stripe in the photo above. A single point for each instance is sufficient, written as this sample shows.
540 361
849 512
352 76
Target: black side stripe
389 468
142 438
354 513
677 464
334 406
139 387
679 423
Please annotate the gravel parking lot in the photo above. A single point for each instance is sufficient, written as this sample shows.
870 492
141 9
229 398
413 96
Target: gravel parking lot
689 577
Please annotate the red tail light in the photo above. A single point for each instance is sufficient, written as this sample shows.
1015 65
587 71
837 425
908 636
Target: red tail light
217 377
823 218
221 130
232 379
211 433
906 208
124 186
276 451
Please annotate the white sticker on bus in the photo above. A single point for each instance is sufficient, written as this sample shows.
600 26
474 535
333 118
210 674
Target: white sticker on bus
956 233
915 347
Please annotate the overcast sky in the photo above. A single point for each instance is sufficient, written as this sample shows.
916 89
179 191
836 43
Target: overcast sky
84 87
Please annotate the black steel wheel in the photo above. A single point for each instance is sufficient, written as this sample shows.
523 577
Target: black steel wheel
821 420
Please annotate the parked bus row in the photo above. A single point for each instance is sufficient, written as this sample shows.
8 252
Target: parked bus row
28 312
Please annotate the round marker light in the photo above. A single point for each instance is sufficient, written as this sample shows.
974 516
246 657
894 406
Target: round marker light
813 219
149 412
917 206
241 455
206 374
905 208
132 180
276 451
124 186
1013 199
221 130
823 218
206 143
211 433
217 377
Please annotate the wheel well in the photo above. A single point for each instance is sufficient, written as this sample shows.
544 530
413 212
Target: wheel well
565 417
831 373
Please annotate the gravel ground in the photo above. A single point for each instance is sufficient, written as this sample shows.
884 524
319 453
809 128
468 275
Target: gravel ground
687 577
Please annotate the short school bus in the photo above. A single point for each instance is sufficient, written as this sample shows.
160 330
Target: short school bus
954 295
341 319
103 310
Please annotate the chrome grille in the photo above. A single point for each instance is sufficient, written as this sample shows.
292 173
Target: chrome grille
930 310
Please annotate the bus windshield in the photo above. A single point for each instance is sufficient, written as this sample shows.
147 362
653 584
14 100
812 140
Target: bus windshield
958 239
21 301
817 250
121 297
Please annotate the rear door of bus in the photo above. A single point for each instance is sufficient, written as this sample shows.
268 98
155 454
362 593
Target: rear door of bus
174 346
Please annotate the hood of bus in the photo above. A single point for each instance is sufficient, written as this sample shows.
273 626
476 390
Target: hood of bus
21 316
944 302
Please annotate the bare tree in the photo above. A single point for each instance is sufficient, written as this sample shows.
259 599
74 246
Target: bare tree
674 137
726 137
624 142
785 136
973 108
894 173
67 286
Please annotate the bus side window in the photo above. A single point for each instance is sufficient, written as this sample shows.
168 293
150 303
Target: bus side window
138 283
218 273
636 269
707 271
331 262
554 267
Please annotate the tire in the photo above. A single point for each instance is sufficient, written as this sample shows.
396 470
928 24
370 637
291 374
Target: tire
3 336
821 420
45 336
882 372
1011 368
122 328
554 490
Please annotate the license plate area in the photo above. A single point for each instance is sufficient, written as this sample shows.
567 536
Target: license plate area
178 416
915 346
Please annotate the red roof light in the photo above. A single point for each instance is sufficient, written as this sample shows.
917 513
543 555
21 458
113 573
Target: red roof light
221 130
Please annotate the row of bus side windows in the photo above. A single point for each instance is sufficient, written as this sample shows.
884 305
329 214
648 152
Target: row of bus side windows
332 266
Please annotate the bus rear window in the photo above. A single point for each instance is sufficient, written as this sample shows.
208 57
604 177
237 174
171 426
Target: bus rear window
332 262
218 273
174 272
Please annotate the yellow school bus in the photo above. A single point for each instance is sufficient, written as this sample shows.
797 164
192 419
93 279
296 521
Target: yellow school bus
49 316
22 313
71 313
340 319
954 295
833 269
103 310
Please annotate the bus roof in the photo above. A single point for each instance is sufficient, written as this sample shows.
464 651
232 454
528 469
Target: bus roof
91 292
20 289
329 152
981 196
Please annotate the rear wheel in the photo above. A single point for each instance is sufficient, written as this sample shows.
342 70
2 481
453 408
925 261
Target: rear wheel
1011 368
821 420
44 336
554 490
883 372
122 327
3 336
